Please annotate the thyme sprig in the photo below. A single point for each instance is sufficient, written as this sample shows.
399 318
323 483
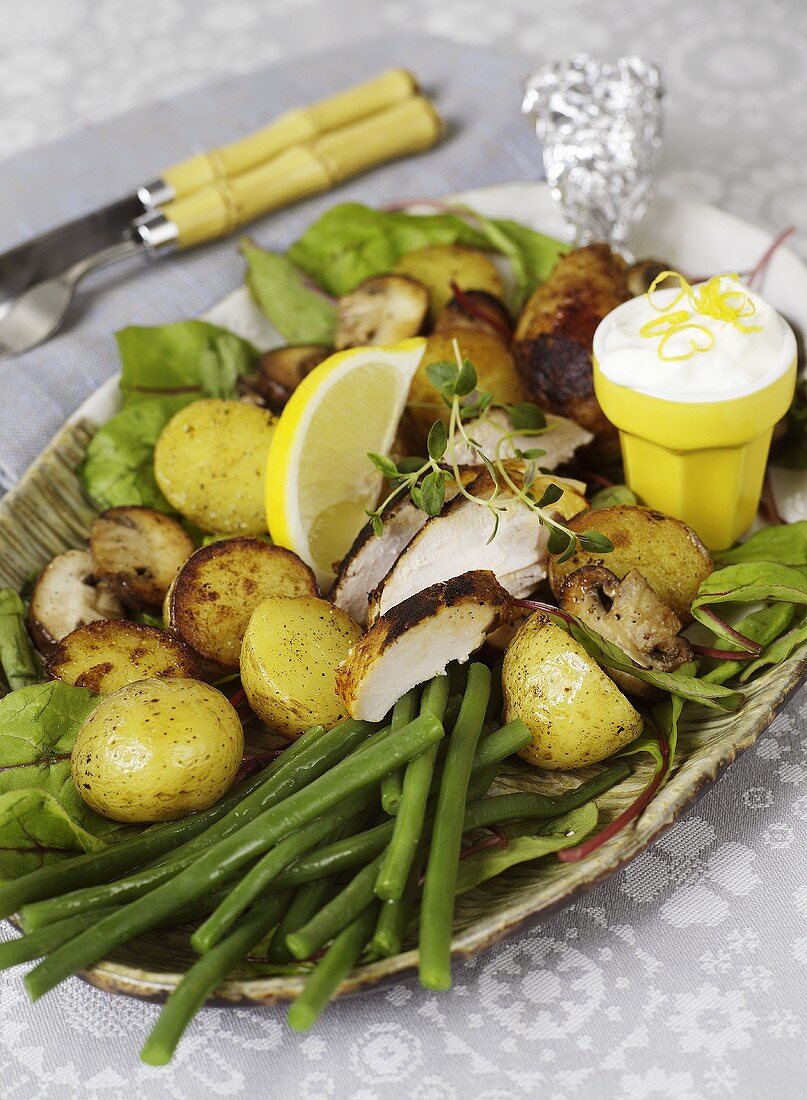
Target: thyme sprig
426 479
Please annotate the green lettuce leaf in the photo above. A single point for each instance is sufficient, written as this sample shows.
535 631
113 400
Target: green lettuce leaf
613 495
777 651
763 626
786 544
525 844
791 450
17 658
301 315
42 815
748 582
351 242
532 255
119 465
192 357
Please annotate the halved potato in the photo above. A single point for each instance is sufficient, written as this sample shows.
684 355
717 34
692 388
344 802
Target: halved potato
495 370
667 553
104 656
440 265
68 594
138 552
210 461
210 602
291 650
382 310
478 310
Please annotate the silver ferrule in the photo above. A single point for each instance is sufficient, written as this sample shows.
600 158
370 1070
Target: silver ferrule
155 193
156 232
600 126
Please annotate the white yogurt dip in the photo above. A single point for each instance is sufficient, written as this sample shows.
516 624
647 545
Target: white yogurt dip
689 345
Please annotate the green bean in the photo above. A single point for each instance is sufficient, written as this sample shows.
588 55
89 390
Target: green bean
495 705
34 945
258 878
218 863
336 915
330 971
204 976
393 916
307 901
397 861
496 746
300 769
437 905
402 714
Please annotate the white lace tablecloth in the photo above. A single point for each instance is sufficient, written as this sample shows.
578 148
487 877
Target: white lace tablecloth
684 976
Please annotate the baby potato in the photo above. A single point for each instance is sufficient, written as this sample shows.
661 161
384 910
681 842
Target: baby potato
440 265
575 713
668 553
495 370
210 461
157 750
291 650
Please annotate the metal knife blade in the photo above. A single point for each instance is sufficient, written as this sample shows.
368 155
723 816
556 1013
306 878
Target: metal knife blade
53 252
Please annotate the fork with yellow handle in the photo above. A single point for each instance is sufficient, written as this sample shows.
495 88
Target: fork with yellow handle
303 153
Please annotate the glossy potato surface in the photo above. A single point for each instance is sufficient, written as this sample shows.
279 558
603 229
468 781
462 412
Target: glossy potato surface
575 713
157 750
437 266
210 462
292 648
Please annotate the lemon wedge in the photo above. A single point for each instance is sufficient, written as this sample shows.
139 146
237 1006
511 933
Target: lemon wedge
319 481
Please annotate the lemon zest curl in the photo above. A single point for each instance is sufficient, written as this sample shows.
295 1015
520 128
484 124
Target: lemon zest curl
709 300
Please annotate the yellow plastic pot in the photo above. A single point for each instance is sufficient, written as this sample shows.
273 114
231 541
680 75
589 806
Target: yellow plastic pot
702 461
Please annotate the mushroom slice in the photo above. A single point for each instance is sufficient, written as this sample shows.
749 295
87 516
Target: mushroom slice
559 441
630 614
640 275
417 639
476 309
67 595
381 310
279 373
458 541
372 556
138 552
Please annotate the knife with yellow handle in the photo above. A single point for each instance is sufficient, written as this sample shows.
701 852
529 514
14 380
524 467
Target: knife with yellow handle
296 127
221 207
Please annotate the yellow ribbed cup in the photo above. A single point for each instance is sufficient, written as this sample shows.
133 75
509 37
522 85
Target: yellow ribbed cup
700 461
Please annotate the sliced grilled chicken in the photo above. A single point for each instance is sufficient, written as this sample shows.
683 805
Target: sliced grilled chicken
630 614
372 556
459 541
279 373
559 442
67 595
555 332
381 310
417 639
138 552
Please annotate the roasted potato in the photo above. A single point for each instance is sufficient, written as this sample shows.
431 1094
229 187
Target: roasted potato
209 604
440 265
66 595
575 713
292 649
555 332
477 310
279 373
157 750
138 552
494 367
667 553
382 310
210 461
104 656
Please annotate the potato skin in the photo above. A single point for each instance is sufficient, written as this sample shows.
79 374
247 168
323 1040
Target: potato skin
438 265
210 461
495 369
575 713
157 750
291 650
106 655
212 597
668 553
